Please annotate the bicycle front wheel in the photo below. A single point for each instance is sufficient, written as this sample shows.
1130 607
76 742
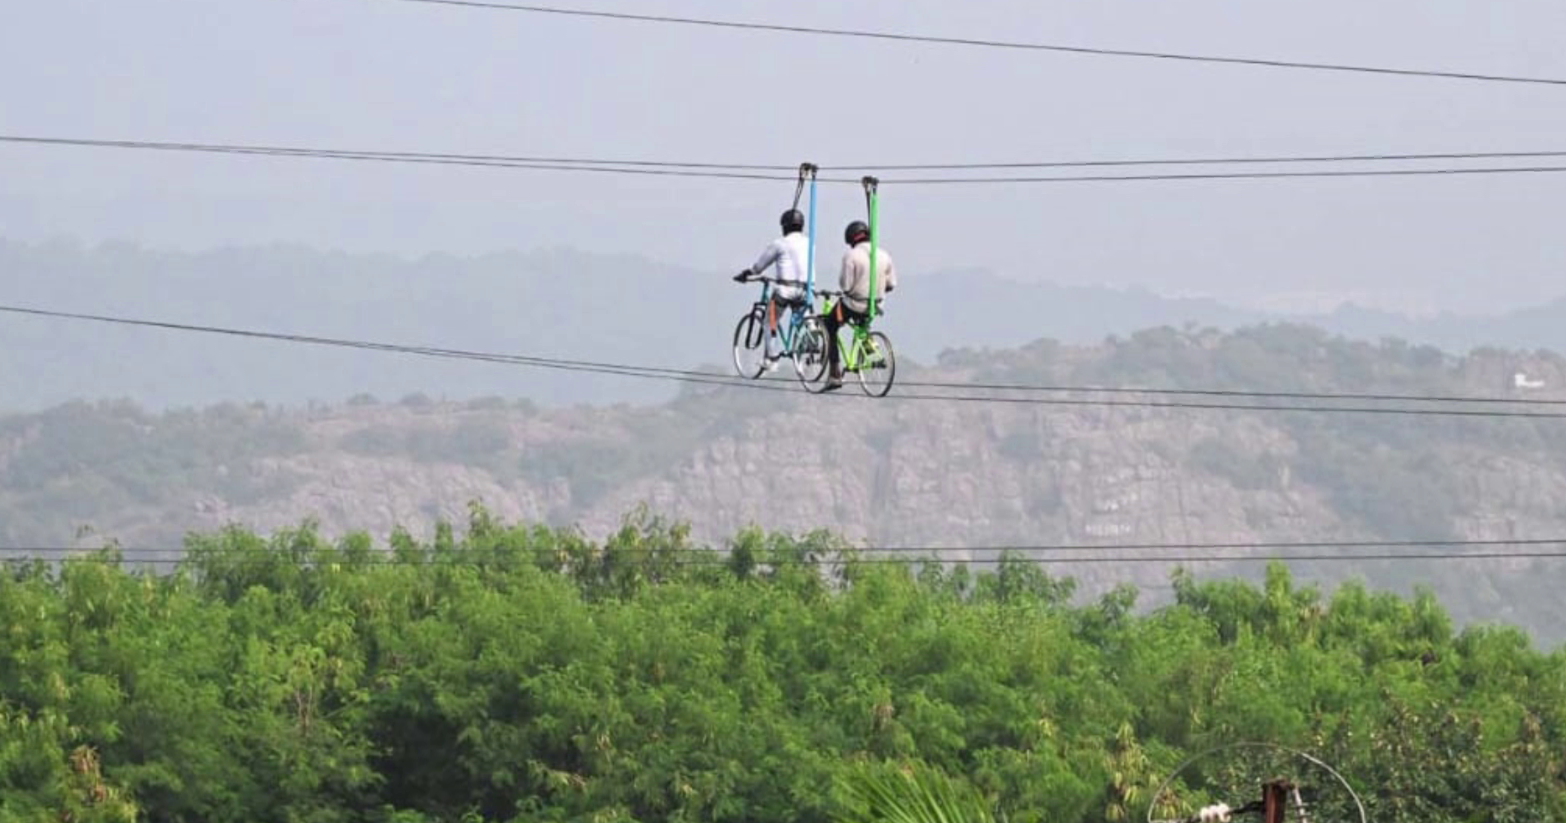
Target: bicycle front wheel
810 352
750 354
877 365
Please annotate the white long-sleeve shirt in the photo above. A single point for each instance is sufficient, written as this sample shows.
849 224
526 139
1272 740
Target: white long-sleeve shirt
855 276
791 254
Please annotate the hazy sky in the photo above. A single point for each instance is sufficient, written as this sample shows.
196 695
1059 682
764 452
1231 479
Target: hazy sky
387 75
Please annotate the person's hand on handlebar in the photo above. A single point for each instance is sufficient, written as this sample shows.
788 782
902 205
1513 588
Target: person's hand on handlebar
743 276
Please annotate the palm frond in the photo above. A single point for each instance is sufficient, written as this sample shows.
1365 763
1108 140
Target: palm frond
912 794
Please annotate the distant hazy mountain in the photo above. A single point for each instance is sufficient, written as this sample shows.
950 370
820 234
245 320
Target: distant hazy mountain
555 303
1535 328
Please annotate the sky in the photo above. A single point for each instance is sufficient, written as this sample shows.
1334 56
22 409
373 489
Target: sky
397 76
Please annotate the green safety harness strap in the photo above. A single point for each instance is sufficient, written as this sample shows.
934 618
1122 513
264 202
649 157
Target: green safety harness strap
873 202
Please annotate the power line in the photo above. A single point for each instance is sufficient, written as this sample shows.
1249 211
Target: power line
759 172
1002 548
1283 395
825 557
1241 175
734 381
985 43
307 151
1210 161
539 164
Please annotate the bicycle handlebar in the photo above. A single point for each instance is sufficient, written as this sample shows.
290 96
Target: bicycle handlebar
880 309
818 292
764 279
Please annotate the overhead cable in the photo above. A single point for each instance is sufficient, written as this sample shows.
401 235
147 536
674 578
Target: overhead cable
1238 175
1281 395
984 43
590 166
734 381
1039 548
386 558
761 172
1208 161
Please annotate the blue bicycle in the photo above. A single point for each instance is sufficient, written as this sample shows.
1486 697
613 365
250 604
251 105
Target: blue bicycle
802 337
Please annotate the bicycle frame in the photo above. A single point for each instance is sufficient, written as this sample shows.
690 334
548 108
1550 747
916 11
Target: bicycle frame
857 344
856 349
787 332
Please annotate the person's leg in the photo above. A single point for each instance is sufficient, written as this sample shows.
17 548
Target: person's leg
834 322
772 329
853 319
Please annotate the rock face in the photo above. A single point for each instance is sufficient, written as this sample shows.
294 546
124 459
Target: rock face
940 476
350 492
953 476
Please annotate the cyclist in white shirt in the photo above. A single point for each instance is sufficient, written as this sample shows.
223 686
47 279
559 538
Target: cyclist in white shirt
790 253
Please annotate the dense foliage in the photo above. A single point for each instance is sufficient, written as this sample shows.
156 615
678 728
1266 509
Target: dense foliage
522 673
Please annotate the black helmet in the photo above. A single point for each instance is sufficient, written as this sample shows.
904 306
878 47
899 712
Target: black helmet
856 232
792 221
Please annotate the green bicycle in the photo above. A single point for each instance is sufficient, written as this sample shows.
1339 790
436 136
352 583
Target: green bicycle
866 353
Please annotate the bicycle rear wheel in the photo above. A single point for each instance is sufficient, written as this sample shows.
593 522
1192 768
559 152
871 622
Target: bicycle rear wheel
750 337
877 362
810 352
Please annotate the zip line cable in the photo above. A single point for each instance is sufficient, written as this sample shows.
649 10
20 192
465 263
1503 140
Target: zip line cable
1285 395
1199 161
984 43
393 560
682 164
1243 175
499 158
428 351
1041 548
399 157
732 381
665 168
